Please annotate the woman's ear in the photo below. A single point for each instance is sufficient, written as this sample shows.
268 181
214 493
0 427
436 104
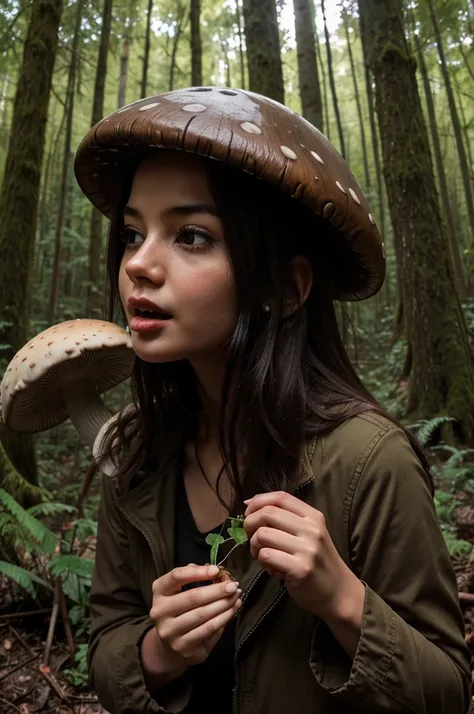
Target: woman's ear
302 274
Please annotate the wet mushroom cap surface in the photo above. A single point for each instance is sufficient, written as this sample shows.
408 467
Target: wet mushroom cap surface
254 134
92 352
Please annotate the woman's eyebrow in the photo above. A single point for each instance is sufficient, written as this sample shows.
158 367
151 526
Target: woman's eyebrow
184 210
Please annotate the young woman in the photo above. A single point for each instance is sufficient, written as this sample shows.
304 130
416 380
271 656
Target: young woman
234 227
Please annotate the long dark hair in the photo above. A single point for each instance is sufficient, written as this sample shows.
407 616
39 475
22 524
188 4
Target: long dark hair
288 379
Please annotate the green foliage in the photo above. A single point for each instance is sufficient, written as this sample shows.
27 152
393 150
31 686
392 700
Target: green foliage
236 533
25 578
78 674
424 429
31 531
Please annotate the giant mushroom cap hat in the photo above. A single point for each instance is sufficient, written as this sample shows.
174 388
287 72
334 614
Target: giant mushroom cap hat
254 134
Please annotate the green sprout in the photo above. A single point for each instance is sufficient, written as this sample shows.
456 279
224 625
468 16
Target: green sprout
236 533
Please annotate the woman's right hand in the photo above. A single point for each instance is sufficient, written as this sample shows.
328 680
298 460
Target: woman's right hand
189 623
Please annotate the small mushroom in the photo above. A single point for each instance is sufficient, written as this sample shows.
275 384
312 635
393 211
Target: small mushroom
61 372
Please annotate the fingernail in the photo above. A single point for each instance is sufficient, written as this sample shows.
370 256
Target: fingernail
212 570
247 501
239 592
231 587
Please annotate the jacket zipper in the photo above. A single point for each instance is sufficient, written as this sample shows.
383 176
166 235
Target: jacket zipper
272 606
140 530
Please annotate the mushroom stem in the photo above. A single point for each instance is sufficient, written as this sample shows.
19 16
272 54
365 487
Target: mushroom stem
86 409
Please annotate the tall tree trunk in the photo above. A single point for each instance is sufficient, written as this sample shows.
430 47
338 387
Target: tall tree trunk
358 103
262 37
326 122
310 90
238 13
123 79
376 153
19 196
176 39
146 54
69 110
458 267
196 50
94 300
332 82
454 119
441 378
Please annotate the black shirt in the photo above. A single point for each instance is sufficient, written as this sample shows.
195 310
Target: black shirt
214 678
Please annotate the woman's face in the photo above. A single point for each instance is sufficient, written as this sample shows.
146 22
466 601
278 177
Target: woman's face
176 258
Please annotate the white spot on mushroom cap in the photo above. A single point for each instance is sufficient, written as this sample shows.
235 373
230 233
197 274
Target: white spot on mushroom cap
317 157
289 153
194 108
383 250
251 128
148 106
372 219
355 196
341 188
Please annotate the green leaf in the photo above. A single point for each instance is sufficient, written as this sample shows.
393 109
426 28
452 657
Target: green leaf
214 539
46 538
81 567
22 577
238 534
236 522
50 509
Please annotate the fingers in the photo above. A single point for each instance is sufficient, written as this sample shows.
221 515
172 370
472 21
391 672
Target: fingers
280 499
276 518
266 537
171 626
189 600
173 581
205 633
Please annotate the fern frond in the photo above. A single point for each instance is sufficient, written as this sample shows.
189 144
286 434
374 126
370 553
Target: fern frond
22 577
82 567
45 538
425 427
49 508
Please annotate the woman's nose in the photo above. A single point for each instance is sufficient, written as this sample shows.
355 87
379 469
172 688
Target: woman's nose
147 263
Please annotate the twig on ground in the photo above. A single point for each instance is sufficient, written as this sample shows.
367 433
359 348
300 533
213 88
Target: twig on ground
28 613
18 666
5 701
46 673
67 623
52 622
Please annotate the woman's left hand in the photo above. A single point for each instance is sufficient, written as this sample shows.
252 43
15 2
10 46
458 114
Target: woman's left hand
290 540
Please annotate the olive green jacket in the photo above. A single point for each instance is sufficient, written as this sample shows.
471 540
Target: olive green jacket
368 483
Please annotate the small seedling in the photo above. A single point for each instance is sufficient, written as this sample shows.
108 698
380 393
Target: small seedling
215 540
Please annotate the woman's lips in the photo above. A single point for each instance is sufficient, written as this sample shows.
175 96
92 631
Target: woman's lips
147 324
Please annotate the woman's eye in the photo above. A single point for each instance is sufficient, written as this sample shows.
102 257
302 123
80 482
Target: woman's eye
194 238
132 237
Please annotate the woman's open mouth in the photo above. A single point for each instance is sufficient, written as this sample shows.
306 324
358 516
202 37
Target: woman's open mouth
147 320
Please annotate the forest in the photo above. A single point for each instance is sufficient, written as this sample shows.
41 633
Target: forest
391 85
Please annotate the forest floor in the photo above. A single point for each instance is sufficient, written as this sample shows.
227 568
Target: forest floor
27 687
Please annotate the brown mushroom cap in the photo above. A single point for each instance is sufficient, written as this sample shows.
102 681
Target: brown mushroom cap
253 133
64 362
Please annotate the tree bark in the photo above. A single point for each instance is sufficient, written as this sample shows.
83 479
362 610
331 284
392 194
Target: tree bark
146 54
94 300
196 50
69 111
123 80
441 379
19 197
310 90
459 275
358 103
262 38
176 39
455 119
332 83
238 13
